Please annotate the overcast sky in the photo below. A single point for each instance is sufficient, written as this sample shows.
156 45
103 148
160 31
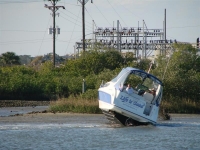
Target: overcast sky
24 23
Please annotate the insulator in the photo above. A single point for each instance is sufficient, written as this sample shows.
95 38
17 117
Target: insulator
50 30
57 30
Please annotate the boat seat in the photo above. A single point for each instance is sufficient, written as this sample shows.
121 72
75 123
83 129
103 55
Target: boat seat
148 97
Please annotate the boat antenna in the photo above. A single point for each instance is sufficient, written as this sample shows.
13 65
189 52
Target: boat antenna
166 66
151 63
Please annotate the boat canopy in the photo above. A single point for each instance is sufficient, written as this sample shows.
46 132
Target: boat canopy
144 74
138 72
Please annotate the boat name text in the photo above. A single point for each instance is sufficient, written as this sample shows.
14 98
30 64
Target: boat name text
131 102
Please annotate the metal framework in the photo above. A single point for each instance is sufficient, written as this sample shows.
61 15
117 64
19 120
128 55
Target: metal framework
133 38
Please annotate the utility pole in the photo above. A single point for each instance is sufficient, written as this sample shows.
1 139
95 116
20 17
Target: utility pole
165 36
118 34
83 2
83 21
53 8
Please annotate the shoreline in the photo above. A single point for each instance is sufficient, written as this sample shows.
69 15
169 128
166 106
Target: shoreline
23 103
17 111
53 118
29 113
69 118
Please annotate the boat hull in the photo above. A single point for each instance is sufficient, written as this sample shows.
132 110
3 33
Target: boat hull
105 107
141 105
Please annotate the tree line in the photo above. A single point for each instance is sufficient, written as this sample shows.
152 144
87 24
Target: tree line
179 71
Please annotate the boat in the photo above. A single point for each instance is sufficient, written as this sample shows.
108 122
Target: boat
139 107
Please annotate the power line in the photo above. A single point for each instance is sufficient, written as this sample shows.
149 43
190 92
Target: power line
31 31
21 31
89 13
73 18
103 15
13 2
130 11
73 14
71 21
43 36
184 27
71 4
72 32
23 41
117 13
25 1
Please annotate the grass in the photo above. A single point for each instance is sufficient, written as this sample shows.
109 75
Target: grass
181 106
75 105
80 105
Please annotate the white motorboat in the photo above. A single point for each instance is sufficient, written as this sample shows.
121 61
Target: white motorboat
141 106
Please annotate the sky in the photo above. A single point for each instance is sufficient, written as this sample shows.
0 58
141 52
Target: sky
24 23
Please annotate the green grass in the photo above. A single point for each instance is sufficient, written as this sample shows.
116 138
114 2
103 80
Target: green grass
75 105
181 106
81 105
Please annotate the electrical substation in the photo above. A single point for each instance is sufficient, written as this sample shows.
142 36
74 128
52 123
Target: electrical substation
141 41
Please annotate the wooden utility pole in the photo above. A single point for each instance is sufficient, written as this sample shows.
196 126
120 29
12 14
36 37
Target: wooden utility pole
54 36
54 8
83 23
83 2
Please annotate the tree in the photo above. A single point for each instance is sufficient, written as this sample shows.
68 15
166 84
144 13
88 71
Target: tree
95 61
182 76
9 58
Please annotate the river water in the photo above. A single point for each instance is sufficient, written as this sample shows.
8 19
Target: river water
93 132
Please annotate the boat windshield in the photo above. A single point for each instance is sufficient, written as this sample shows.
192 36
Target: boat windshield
137 82
140 79
148 82
119 75
145 75
135 77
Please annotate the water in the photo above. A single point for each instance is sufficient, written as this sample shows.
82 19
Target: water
92 132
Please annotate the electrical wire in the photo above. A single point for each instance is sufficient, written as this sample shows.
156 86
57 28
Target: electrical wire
102 15
117 13
92 19
14 2
75 19
75 15
30 31
183 27
21 31
129 10
43 37
23 41
72 22
88 13
72 32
